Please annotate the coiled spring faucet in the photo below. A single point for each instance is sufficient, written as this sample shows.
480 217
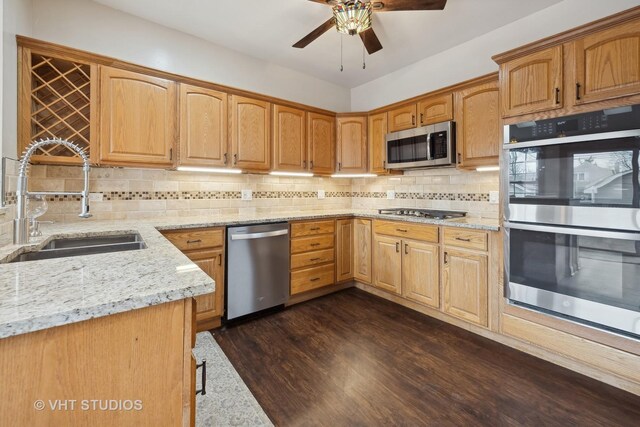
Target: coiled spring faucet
21 223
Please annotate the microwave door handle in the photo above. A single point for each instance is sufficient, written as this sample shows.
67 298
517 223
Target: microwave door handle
429 146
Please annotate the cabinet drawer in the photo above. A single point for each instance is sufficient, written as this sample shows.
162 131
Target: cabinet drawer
463 238
196 239
302 229
426 233
312 278
315 243
309 259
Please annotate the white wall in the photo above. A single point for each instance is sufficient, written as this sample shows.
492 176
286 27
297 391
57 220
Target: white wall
86 25
16 17
473 58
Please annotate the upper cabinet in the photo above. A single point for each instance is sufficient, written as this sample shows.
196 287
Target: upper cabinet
478 125
607 63
203 127
532 83
402 118
351 144
435 109
138 116
377 143
250 133
289 140
321 142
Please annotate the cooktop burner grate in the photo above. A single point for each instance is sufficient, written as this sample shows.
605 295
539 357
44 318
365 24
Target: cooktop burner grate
423 213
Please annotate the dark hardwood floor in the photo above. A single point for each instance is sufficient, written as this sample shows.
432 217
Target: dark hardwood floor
353 359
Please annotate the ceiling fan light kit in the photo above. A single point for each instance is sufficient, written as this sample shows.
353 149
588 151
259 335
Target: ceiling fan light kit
352 17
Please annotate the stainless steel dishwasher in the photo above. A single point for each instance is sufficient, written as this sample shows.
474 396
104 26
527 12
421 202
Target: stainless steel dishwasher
257 268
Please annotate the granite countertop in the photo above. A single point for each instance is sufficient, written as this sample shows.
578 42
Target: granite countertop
41 294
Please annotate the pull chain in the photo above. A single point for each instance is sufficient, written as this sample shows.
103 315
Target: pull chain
341 67
364 64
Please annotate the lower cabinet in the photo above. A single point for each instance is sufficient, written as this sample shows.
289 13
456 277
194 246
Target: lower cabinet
387 259
313 255
362 250
465 289
420 272
205 247
344 250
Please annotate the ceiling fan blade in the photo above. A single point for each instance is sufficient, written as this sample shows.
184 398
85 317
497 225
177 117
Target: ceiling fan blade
396 5
315 33
370 41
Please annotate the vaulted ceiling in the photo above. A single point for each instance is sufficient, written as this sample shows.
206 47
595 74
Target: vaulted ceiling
266 29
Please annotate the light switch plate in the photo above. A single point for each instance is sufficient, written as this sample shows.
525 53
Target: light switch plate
320 194
247 195
95 197
494 197
391 195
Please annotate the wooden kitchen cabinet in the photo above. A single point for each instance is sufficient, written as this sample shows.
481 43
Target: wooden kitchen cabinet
351 146
143 354
420 272
478 125
435 109
321 137
362 250
205 247
532 83
137 118
203 127
250 133
607 63
387 261
377 143
465 285
313 255
344 250
402 118
289 139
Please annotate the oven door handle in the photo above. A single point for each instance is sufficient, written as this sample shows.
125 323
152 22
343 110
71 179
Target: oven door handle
569 139
575 231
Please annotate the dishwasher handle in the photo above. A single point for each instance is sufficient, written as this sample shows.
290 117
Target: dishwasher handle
250 236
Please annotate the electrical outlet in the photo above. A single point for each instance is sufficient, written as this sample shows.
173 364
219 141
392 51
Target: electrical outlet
247 195
494 197
95 197
320 194
391 195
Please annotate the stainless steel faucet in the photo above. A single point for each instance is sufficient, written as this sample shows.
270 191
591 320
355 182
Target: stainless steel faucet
21 223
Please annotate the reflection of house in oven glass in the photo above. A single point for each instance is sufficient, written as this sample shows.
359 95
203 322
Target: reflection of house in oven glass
603 178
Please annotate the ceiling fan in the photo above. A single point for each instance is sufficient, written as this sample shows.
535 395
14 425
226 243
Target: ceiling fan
354 17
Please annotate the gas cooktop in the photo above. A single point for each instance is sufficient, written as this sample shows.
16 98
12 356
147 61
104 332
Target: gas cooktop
423 213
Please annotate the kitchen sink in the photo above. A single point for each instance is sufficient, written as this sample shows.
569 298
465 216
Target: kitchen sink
76 246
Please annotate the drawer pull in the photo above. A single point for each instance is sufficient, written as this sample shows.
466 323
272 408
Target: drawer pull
314 229
402 230
194 241
203 390
315 259
462 239
315 279
315 244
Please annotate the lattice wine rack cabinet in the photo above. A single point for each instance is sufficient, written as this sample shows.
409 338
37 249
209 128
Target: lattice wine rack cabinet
57 99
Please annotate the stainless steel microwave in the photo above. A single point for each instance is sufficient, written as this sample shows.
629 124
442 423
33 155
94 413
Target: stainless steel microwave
426 146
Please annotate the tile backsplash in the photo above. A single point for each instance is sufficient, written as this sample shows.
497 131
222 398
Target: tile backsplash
127 193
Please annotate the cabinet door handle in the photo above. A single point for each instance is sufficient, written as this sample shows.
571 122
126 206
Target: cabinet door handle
170 153
194 241
339 166
578 91
459 158
225 158
557 95
235 159
311 164
402 230
384 164
304 164
421 118
220 259
203 365
315 279
446 258
463 239
406 249
413 120
397 246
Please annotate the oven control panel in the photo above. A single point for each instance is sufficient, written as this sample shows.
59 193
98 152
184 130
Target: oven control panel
615 119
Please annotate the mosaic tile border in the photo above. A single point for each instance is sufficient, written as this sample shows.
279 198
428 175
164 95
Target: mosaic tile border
236 195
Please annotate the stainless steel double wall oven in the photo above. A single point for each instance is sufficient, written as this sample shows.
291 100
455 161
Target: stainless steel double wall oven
572 217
